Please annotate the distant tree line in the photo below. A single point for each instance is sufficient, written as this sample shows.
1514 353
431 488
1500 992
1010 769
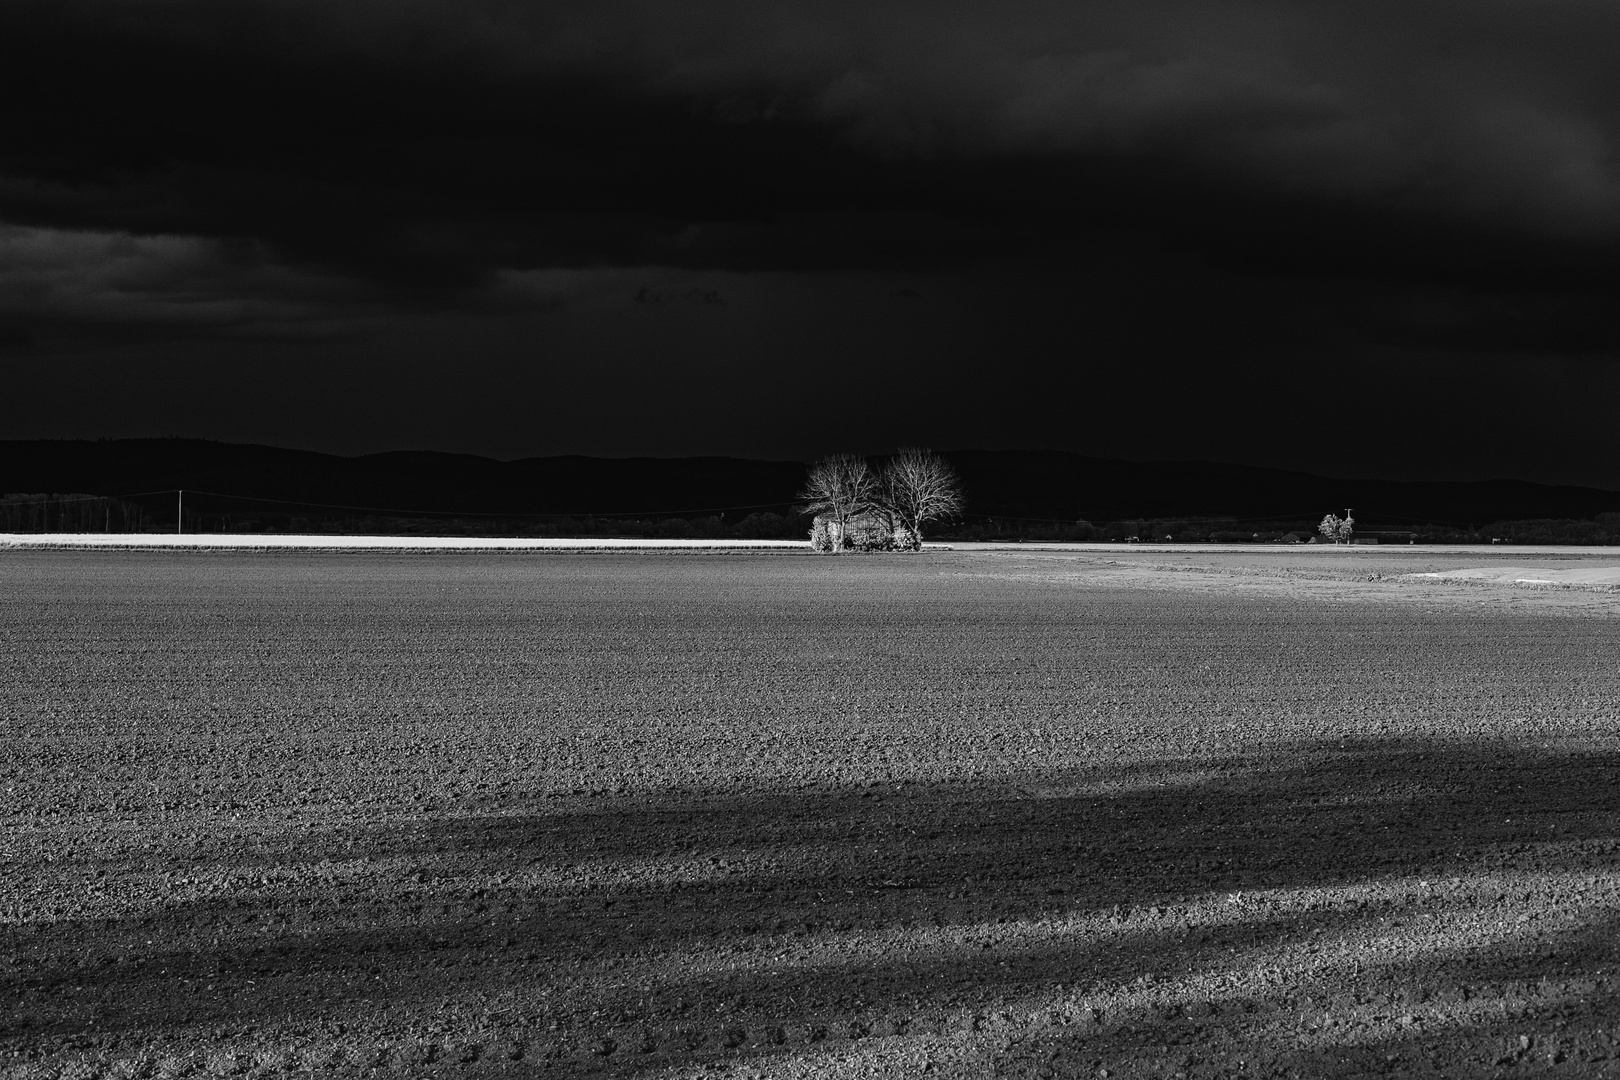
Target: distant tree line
30 513
1157 530
1604 530
81 513
39 513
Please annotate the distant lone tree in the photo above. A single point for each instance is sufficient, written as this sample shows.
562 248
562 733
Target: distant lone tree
837 489
1337 529
917 487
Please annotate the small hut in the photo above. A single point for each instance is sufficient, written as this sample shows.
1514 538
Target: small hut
870 530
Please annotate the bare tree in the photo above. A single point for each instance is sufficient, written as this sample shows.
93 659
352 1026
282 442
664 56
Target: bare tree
918 487
840 487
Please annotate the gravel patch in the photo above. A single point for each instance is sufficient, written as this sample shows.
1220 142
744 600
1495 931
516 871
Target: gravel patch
1606 576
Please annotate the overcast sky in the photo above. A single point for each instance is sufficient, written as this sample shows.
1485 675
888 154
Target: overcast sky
1362 238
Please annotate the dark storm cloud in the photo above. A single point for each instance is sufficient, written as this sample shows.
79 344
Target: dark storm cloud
77 288
428 148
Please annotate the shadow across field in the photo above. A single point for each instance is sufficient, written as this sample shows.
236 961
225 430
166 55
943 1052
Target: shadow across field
1321 908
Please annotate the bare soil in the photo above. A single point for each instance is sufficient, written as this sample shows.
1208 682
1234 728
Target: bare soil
952 814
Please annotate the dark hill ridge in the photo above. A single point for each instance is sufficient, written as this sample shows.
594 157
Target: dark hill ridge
1047 485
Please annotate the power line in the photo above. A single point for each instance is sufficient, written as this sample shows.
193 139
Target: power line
1190 519
452 513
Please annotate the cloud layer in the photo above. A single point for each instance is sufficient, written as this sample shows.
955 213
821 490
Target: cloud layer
1239 187
433 141
65 287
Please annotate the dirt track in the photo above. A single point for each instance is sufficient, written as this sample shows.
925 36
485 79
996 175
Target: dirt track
945 814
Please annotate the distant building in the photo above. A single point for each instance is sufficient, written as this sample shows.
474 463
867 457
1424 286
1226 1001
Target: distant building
870 531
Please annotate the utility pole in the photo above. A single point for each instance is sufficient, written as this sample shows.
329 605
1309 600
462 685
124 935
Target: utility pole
180 512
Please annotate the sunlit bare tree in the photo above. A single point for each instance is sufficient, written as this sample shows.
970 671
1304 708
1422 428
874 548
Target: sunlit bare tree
839 487
918 487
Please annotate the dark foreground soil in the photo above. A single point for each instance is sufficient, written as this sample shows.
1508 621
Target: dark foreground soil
942 815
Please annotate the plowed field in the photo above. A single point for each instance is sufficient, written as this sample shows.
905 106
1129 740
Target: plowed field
777 815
